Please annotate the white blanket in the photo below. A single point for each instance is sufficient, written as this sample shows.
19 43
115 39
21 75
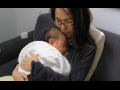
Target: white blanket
47 55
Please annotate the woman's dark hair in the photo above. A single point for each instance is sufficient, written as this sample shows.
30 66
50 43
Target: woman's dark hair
82 18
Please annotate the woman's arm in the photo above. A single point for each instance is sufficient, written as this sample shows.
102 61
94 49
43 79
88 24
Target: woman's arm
38 70
41 73
79 68
18 76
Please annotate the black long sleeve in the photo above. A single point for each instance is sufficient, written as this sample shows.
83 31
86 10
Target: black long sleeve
80 62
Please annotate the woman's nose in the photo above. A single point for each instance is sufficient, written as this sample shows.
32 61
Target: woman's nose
63 27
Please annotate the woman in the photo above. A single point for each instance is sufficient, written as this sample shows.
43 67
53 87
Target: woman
75 24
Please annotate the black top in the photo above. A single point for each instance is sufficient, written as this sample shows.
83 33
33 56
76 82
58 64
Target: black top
80 61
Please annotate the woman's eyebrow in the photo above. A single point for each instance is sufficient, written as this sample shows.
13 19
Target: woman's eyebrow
56 18
68 19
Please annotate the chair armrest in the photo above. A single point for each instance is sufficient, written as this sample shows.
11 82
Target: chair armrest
10 49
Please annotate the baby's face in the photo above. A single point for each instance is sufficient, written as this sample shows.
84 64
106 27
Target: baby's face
61 44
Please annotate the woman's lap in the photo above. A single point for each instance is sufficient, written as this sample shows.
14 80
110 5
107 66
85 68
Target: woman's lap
7 69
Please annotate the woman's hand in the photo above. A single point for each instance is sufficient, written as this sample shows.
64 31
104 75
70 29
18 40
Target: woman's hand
26 64
18 76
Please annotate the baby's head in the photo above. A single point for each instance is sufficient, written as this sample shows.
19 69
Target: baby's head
57 39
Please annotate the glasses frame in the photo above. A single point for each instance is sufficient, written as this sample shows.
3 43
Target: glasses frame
62 23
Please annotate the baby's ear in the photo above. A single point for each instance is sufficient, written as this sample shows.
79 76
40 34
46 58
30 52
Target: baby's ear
52 41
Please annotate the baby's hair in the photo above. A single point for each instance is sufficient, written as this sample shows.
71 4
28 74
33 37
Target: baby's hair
54 33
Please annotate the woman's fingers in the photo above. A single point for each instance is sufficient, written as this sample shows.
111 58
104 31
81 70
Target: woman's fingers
32 54
34 57
17 76
24 76
26 56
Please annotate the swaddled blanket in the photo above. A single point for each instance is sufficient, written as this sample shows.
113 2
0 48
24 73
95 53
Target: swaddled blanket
47 55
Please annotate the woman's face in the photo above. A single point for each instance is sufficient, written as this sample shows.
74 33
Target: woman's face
61 16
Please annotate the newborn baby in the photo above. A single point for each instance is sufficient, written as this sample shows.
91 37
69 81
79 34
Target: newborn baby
49 53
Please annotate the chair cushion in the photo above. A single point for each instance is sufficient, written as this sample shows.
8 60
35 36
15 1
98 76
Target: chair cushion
6 78
99 39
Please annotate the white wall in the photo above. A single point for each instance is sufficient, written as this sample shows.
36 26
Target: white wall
8 26
107 19
26 18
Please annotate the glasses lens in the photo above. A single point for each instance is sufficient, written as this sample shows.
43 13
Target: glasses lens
68 24
59 23
56 23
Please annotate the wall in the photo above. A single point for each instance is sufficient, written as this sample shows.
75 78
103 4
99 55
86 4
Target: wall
8 26
26 18
104 18
107 19
14 21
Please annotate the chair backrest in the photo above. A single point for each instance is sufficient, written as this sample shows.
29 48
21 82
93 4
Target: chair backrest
108 68
43 21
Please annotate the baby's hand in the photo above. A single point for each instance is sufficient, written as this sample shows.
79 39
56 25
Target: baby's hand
26 64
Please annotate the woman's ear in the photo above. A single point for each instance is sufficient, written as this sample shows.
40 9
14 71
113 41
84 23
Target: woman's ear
51 42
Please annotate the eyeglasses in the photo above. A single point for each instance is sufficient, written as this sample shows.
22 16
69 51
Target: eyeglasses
68 24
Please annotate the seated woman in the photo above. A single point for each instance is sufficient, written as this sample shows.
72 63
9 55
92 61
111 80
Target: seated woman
75 24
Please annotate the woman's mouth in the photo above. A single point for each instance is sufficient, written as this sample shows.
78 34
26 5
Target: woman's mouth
65 32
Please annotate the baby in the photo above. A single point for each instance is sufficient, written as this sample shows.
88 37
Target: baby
49 53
